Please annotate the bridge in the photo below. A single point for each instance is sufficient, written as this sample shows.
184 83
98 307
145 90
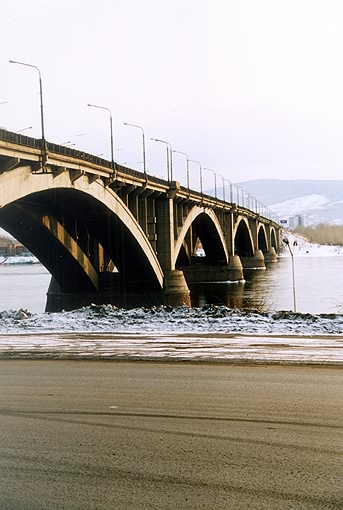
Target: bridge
111 234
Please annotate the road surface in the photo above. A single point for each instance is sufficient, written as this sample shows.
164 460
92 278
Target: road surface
86 435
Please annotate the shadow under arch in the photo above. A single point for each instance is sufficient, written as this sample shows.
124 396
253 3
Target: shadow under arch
65 224
201 224
262 239
242 239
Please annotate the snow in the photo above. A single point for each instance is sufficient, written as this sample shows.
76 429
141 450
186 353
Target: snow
210 333
300 247
299 205
27 259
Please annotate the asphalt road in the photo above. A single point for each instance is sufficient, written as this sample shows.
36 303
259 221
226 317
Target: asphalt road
121 435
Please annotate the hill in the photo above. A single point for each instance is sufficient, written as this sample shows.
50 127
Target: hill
318 201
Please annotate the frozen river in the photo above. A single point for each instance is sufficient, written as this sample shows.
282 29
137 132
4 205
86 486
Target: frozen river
242 322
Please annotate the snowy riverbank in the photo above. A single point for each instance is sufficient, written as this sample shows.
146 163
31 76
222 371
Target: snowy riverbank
210 333
18 260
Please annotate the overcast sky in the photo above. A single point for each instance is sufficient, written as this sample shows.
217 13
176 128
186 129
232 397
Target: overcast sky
252 89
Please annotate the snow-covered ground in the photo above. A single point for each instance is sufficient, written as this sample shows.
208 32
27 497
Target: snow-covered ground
30 259
300 247
210 333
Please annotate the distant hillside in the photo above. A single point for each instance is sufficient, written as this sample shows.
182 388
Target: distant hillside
318 201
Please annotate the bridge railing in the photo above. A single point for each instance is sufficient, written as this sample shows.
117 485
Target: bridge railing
63 150
9 136
140 175
74 153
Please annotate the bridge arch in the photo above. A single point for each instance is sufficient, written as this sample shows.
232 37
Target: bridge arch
74 220
262 241
243 241
201 224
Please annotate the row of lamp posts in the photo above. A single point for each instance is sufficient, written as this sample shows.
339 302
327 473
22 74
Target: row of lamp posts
258 206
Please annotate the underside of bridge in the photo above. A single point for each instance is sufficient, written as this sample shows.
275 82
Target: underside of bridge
202 232
215 263
262 241
243 241
89 251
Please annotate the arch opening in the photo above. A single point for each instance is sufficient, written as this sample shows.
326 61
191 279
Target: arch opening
202 233
84 245
262 240
243 242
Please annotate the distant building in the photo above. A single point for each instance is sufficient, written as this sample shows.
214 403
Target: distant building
10 247
296 221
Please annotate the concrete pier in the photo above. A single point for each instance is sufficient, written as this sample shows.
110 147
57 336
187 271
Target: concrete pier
176 291
202 272
254 262
270 255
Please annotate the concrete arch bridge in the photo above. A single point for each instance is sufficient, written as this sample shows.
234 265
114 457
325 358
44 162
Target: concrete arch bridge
110 234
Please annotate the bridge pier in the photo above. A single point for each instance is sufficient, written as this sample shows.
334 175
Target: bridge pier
176 291
112 291
202 272
256 261
270 255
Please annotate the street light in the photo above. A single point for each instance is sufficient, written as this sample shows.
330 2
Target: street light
144 158
215 180
111 129
231 191
169 157
43 148
230 183
223 182
286 241
179 152
195 161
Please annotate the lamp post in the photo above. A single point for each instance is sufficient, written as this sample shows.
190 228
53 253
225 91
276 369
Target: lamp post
111 129
286 241
43 148
169 157
215 180
143 138
231 191
195 161
223 182
180 152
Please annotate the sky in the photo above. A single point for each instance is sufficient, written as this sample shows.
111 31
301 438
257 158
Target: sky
249 89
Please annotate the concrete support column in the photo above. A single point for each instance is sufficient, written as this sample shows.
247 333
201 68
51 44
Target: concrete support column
165 233
176 292
254 224
254 262
235 268
230 235
142 214
271 255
